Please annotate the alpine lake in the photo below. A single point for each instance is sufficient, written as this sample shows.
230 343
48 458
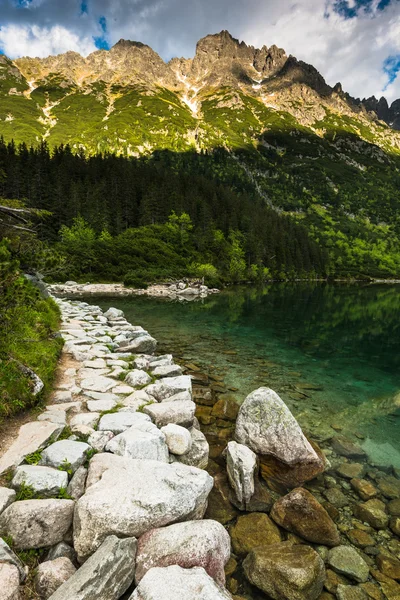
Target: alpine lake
331 351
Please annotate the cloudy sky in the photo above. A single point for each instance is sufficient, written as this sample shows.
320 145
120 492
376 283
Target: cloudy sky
356 42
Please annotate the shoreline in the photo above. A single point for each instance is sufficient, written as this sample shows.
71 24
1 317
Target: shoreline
111 372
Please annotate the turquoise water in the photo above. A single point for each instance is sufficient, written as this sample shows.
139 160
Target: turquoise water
331 351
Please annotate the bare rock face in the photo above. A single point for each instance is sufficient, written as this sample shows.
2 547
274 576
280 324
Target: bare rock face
134 496
300 513
171 583
192 544
107 574
51 575
286 571
37 523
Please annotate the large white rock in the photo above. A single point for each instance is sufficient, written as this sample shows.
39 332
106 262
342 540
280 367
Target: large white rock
106 575
9 582
143 344
267 426
180 413
65 453
51 575
179 440
171 583
137 378
169 386
198 453
45 481
31 437
191 544
89 419
7 496
167 371
241 464
97 383
113 313
142 441
37 523
134 496
120 421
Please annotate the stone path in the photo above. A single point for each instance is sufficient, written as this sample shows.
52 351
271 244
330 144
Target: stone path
116 454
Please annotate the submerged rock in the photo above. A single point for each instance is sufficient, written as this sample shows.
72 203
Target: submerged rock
300 513
192 544
284 571
347 561
250 531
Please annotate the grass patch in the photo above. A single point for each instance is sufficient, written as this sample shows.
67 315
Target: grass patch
34 458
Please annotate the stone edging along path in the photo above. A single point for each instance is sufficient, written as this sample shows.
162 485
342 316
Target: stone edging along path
110 483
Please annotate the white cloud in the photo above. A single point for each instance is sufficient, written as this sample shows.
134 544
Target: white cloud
26 40
352 51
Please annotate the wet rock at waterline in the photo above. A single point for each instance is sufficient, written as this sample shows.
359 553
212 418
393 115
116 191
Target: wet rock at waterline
252 530
171 583
241 464
134 496
284 571
300 513
266 425
191 544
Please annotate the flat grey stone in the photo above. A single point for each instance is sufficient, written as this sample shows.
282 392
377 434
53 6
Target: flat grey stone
180 413
169 386
65 452
142 441
45 481
97 406
167 371
31 437
347 561
106 575
76 487
97 384
137 378
62 549
98 440
90 419
120 421
8 556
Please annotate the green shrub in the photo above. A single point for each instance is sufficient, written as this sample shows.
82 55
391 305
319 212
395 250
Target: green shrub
135 281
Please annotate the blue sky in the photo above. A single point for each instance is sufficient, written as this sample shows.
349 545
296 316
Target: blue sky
356 42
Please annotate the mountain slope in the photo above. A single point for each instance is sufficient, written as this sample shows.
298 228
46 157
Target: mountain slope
309 150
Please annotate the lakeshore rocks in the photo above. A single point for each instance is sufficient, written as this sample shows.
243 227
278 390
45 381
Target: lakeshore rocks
65 453
44 481
300 513
286 571
198 454
170 583
51 575
135 496
191 544
241 465
346 447
121 421
137 378
345 560
144 344
7 556
170 386
107 574
37 523
6 498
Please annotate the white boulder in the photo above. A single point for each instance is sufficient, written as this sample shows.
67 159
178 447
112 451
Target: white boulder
180 413
65 453
241 464
142 441
44 481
